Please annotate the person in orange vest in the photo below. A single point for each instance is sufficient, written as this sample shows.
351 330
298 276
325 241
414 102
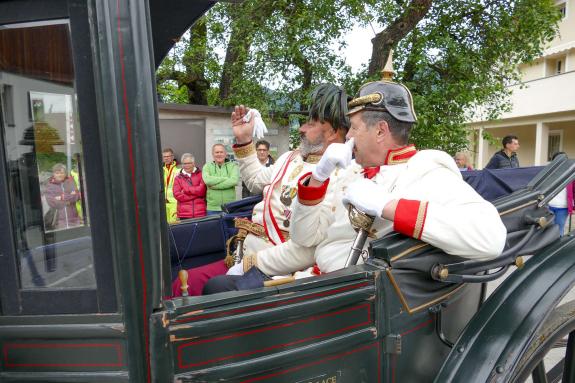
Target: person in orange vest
170 171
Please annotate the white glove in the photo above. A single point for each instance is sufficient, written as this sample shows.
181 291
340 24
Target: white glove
236 269
304 274
259 125
335 155
367 197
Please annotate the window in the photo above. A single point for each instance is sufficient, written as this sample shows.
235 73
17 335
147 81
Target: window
44 156
554 143
562 7
555 65
56 253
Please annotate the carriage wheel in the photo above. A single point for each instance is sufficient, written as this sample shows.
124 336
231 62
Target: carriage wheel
551 357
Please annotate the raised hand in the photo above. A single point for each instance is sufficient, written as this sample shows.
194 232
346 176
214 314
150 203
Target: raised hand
243 131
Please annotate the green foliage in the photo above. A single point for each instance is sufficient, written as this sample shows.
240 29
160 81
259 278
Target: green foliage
460 59
269 54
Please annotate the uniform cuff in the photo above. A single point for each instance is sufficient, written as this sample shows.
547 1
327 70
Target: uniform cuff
410 217
249 261
244 150
309 195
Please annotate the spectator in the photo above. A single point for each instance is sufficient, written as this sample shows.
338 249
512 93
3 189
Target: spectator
170 170
506 157
61 195
462 161
221 177
190 189
562 204
263 154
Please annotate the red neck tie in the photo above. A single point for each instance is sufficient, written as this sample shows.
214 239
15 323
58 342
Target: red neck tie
369 173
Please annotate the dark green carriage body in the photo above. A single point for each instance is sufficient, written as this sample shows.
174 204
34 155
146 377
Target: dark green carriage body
364 324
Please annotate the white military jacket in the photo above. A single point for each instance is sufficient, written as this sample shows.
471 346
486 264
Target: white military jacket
435 205
278 182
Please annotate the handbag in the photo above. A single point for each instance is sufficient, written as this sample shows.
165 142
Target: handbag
51 219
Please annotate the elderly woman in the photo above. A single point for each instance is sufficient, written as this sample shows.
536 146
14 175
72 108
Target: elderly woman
462 161
61 195
190 189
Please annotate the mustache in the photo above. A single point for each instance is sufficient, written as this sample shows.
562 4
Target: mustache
307 147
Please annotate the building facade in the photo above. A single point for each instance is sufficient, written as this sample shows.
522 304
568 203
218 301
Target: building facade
196 128
543 109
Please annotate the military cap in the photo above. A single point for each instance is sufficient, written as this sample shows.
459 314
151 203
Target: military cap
328 102
387 96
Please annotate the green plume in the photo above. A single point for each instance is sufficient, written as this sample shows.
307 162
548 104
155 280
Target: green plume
329 103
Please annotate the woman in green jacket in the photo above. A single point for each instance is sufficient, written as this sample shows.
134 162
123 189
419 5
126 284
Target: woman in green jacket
221 177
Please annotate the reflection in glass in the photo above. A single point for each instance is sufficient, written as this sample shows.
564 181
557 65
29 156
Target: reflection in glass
44 156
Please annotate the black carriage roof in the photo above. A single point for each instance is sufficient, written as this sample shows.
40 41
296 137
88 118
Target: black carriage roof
170 19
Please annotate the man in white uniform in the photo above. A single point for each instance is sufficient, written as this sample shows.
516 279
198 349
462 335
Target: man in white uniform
269 230
419 194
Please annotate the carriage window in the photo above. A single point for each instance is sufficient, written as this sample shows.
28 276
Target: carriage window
41 137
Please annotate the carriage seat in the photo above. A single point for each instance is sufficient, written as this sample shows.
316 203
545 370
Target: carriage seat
200 241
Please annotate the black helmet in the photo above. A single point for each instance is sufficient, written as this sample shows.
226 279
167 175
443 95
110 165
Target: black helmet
387 96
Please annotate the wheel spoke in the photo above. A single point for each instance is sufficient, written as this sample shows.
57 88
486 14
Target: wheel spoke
554 375
569 370
538 374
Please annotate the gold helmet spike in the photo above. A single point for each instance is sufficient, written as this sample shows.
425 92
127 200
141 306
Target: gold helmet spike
387 72
385 95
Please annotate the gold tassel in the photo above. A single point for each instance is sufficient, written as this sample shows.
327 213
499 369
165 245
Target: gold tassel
229 260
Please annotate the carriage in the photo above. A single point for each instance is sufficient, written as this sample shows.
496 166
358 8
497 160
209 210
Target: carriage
87 300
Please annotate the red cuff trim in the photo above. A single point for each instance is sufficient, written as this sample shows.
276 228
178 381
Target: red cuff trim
410 217
309 195
241 145
315 270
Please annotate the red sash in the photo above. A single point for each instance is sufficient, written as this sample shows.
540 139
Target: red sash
270 224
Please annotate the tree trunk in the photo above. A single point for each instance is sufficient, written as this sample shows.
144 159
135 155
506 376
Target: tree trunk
236 56
195 61
385 40
247 19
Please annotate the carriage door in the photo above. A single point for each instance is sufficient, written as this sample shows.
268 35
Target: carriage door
57 295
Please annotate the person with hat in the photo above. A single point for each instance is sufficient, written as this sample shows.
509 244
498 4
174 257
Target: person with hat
268 232
419 194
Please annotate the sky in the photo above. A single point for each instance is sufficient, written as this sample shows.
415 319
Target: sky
358 49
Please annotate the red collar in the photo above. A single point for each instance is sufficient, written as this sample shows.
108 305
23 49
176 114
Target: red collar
400 155
370 172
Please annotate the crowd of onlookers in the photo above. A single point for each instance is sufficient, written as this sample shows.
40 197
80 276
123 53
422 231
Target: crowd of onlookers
192 192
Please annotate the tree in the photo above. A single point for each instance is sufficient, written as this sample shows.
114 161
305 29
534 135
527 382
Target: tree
454 55
287 45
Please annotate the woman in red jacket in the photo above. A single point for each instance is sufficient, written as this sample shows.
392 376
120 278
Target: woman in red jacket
190 190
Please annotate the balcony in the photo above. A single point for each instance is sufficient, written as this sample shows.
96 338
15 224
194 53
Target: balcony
543 96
